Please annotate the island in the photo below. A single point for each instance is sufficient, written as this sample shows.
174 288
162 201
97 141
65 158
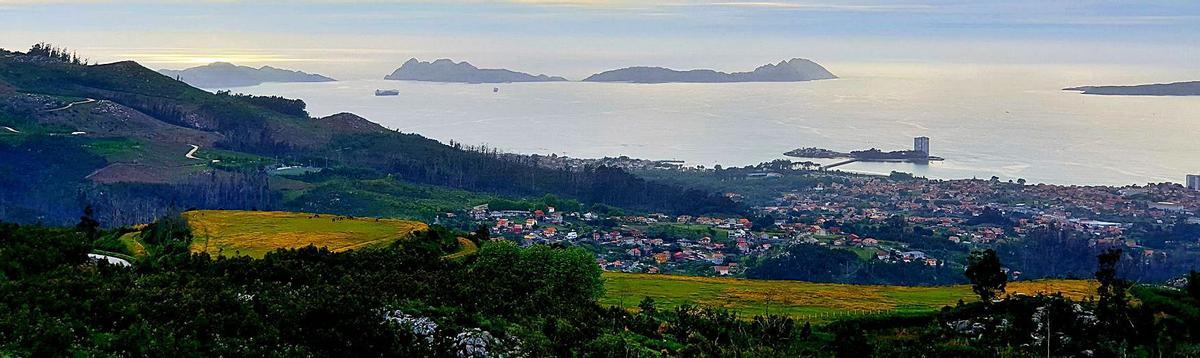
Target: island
224 74
446 70
869 155
794 70
1191 88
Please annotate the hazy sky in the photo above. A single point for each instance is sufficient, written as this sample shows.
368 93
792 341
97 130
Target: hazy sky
350 39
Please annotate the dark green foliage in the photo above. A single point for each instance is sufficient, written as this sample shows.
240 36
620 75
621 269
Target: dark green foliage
986 274
55 53
291 107
1193 285
814 263
88 226
990 216
517 281
850 342
313 302
168 236
31 250
807 263
1112 307
548 200
480 235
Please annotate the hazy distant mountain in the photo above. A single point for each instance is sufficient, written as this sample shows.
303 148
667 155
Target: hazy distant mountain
222 74
445 70
1162 89
796 69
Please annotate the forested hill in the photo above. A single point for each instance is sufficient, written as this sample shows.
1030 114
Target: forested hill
118 135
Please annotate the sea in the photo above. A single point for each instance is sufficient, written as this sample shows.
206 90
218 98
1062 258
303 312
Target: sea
1009 121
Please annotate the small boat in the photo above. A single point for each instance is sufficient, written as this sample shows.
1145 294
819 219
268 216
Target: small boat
495 89
387 92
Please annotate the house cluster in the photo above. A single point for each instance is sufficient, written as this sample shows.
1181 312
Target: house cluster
983 212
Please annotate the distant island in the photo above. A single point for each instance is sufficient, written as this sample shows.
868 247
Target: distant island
224 74
794 70
916 156
1191 88
445 70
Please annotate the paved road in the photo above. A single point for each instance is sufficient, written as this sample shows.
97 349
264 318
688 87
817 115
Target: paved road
117 261
69 105
191 154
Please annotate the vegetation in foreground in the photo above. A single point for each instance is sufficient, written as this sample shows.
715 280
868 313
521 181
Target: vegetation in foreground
409 299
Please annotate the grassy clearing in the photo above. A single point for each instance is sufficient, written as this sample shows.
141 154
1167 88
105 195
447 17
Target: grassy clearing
133 243
254 233
816 302
465 248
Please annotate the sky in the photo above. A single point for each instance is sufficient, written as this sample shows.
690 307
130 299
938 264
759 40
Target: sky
574 38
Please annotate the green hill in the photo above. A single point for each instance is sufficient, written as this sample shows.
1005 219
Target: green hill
134 143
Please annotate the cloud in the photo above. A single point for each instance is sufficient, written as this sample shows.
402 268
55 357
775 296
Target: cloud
1113 20
815 6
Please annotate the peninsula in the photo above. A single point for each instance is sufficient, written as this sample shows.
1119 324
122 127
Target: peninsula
446 70
224 74
794 70
1191 88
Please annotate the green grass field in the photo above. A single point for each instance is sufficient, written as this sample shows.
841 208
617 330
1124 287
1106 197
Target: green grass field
254 233
815 302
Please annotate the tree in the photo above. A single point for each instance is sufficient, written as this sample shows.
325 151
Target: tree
1193 285
647 306
88 226
1113 306
480 235
851 342
986 274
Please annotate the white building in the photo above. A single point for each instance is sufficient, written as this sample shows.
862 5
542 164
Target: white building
921 144
1193 181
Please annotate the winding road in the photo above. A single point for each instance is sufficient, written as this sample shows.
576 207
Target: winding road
191 154
69 105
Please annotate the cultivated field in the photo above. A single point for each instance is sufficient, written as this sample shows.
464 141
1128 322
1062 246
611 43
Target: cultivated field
254 233
816 302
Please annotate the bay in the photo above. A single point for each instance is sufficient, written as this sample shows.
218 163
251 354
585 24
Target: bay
1009 121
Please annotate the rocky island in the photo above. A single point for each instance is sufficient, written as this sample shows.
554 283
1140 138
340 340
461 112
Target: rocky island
794 70
446 70
224 74
1191 88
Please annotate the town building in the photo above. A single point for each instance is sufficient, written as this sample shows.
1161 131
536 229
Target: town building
1193 181
921 144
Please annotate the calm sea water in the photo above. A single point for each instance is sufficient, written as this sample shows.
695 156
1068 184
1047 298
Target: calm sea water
1008 121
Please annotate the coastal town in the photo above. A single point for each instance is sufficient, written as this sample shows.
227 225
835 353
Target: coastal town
853 212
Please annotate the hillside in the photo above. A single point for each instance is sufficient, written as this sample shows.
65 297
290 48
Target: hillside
1160 89
817 302
254 233
794 70
224 74
446 70
135 143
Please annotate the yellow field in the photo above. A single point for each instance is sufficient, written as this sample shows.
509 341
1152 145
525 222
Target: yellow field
817 302
255 233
